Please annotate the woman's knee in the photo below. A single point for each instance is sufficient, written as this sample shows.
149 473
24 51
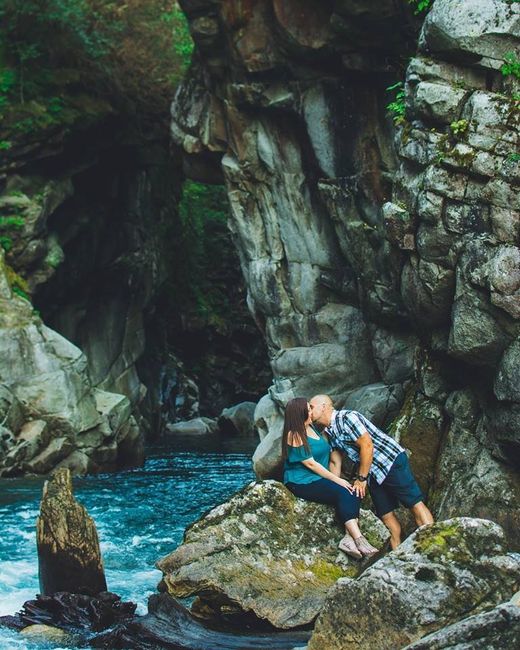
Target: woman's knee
349 507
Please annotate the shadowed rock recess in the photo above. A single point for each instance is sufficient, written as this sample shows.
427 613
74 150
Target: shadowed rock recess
381 260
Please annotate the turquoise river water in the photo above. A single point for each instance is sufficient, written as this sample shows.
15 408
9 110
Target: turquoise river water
140 515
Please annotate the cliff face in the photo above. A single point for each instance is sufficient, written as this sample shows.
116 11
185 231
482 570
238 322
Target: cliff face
90 223
381 262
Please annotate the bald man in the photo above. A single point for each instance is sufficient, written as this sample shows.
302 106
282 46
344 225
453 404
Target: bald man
383 464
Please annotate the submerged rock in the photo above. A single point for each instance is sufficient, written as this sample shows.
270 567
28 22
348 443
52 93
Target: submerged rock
441 573
68 546
75 612
266 553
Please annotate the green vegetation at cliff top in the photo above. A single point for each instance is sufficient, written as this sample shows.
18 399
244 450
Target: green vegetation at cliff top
66 60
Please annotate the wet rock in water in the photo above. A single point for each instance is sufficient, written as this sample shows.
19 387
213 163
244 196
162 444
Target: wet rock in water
494 630
238 420
441 573
47 633
263 553
197 427
72 612
170 625
68 546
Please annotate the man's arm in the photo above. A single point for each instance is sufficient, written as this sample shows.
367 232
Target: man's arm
335 462
366 454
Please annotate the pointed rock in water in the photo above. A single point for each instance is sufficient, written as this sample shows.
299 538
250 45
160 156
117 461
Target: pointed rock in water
263 554
68 546
440 574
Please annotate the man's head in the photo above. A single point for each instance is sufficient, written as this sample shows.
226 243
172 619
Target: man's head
321 409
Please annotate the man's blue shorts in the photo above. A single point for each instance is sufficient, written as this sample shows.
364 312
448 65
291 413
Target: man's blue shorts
398 487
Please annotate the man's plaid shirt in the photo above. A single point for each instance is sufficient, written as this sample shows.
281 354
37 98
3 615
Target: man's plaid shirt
347 426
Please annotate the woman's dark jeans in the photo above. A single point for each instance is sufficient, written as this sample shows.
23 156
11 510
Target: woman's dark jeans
325 491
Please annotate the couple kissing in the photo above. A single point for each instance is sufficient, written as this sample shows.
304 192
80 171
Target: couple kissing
315 437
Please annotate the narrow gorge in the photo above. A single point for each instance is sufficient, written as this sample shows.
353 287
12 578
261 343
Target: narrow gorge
248 201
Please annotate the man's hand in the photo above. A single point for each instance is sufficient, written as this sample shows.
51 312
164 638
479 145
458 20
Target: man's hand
360 488
345 484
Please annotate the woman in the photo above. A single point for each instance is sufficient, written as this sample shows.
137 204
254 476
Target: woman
307 455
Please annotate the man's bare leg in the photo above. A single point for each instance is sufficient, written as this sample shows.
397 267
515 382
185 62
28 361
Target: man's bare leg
422 514
393 525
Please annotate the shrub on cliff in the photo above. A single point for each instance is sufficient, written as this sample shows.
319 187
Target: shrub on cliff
62 59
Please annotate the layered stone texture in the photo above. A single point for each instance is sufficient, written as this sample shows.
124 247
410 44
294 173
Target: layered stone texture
439 575
263 553
381 262
51 413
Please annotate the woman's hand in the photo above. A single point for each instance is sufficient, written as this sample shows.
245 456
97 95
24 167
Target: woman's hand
345 484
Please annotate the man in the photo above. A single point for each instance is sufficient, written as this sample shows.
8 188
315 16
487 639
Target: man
383 464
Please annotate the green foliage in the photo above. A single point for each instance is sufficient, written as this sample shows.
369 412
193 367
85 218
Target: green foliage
61 59
7 223
459 128
421 6
198 250
6 243
397 108
513 157
20 292
511 65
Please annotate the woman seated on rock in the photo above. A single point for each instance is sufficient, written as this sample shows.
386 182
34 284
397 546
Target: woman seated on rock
307 454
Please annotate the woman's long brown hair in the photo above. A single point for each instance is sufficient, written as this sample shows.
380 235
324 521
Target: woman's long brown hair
296 412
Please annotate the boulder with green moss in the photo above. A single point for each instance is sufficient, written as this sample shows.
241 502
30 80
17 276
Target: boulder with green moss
265 553
440 574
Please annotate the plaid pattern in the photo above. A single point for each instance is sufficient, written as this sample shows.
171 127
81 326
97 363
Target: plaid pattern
347 426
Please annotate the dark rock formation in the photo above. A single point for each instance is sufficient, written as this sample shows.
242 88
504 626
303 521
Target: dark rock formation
439 575
75 612
374 255
170 625
265 553
69 556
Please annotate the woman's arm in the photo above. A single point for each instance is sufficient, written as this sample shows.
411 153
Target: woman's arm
311 464
295 441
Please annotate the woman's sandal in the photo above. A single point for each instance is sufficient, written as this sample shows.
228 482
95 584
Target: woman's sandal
348 546
365 547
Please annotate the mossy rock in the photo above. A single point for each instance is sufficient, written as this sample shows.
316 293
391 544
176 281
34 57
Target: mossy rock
264 552
440 574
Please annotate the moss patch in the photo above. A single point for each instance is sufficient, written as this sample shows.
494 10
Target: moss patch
442 541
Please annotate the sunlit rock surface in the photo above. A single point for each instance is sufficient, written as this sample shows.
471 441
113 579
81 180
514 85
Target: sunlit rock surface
266 553
440 574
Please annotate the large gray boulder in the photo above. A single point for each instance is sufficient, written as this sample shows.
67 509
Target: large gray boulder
263 552
440 574
479 29
494 630
469 477
48 405
238 419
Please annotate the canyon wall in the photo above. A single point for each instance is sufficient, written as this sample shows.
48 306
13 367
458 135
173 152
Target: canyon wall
381 259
